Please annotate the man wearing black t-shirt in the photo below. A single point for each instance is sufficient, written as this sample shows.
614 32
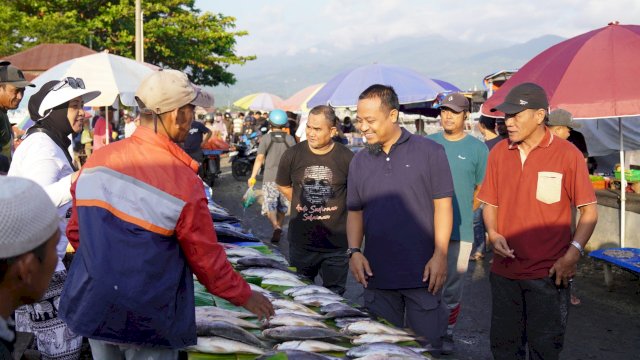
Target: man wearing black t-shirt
313 176
197 137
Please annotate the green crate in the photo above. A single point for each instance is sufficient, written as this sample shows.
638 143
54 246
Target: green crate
630 175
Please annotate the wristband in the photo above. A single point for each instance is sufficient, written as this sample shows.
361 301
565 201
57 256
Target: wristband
577 246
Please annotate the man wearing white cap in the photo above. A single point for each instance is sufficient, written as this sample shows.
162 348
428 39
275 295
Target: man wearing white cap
142 228
28 237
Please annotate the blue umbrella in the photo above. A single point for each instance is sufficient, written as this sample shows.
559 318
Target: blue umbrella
343 89
447 85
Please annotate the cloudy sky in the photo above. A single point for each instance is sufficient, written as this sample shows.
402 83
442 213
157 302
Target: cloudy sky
293 26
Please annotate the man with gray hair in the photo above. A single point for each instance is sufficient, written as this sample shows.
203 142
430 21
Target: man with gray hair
29 235
313 176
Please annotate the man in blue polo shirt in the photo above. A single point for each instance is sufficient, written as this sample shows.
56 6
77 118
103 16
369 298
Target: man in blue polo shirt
467 158
400 200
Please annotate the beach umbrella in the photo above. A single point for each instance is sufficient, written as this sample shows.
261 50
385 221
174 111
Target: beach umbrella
343 89
259 101
447 85
298 101
595 75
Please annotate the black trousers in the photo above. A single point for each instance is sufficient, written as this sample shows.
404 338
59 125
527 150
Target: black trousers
332 267
527 314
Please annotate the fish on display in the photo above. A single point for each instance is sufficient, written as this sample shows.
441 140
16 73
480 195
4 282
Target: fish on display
374 338
294 355
282 282
287 333
344 321
243 251
319 295
311 314
310 345
270 295
261 261
219 345
231 320
383 348
335 306
342 313
295 320
287 304
316 301
371 327
270 273
307 289
390 357
226 330
216 311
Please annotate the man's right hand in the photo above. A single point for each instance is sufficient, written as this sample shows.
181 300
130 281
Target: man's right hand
259 305
500 245
251 182
360 268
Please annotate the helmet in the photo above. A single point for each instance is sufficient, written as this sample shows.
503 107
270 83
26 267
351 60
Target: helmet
278 117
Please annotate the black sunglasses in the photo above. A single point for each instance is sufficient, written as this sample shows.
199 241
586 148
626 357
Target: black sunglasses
74 83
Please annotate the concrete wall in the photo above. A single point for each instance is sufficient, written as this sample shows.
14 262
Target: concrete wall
607 232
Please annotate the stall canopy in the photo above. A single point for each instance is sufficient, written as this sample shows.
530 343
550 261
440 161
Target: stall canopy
259 101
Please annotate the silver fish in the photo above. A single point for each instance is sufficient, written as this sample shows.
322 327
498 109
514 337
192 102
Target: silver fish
342 313
287 304
310 345
344 321
231 320
282 282
243 251
307 289
382 348
390 357
335 306
294 355
226 330
374 338
219 345
261 261
319 295
262 291
371 327
269 273
286 333
216 311
313 315
295 320
317 301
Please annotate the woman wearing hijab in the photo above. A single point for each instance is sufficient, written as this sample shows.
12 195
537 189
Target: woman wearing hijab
43 156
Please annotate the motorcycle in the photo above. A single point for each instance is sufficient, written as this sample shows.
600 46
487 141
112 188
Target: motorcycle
210 167
244 156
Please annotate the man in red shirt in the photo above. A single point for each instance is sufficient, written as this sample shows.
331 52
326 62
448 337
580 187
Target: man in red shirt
531 184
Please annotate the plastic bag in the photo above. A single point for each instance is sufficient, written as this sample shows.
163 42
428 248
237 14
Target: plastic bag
248 198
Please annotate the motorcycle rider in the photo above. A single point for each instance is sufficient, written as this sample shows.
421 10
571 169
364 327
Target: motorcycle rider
272 146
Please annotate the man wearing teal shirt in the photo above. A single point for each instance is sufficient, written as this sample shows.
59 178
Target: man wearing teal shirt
467 158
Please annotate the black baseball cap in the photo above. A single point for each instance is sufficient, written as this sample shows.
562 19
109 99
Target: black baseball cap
10 74
522 97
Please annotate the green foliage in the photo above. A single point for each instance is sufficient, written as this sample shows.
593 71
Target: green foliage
177 35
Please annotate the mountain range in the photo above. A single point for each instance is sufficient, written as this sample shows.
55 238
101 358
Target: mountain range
464 64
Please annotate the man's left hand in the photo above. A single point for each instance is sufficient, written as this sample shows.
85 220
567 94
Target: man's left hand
436 272
565 268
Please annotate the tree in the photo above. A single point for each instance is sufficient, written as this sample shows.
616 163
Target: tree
177 35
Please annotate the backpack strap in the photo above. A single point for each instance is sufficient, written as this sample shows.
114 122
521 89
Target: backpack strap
280 140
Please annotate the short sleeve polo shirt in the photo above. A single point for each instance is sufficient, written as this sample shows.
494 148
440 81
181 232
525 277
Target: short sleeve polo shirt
534 197
395 192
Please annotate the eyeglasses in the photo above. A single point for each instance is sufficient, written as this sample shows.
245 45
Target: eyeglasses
74 83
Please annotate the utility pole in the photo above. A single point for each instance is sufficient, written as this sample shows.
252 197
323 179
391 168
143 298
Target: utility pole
138 20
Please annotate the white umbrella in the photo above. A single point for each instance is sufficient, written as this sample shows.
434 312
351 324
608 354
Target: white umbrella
111 74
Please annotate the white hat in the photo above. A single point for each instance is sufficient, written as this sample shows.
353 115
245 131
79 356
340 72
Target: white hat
167 90
28 218
64 94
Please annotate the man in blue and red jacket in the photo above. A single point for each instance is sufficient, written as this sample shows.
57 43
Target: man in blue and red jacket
142 228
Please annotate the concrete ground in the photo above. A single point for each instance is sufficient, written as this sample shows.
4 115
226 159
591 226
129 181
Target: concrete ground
606 325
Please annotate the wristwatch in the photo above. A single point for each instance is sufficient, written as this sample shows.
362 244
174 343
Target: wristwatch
578 246
350 251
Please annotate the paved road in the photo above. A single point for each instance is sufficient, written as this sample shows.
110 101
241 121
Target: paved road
605 326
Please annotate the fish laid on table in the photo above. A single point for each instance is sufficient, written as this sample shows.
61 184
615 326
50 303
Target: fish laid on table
269 294
344 321
374 338
311 314
316 301
287 333
346 313
371 327
219 345
310 345
261 261
206 328
243 251
335 306
297 320
390 357
282 282
287 304
216 311
231 320
269 273
383 348
294 355
307 289
320 295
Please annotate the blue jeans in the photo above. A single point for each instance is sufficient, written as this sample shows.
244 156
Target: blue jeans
479 232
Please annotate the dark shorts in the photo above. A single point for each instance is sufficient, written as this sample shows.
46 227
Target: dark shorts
332 267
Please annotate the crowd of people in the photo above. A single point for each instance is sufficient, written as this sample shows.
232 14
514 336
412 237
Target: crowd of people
404 215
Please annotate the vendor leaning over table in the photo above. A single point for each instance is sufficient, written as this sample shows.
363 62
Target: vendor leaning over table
141 225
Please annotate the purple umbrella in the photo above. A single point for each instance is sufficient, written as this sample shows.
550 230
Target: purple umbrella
343 89
447 85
